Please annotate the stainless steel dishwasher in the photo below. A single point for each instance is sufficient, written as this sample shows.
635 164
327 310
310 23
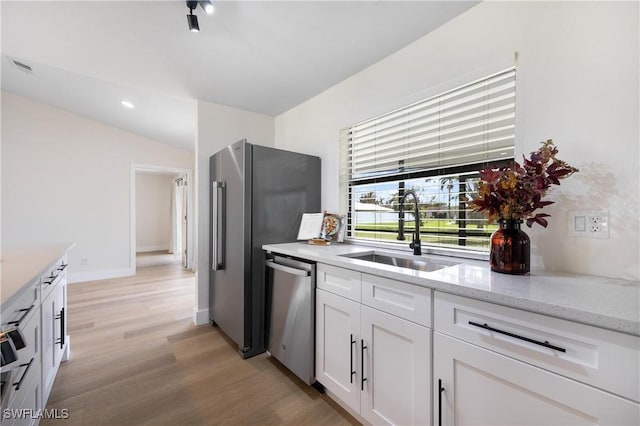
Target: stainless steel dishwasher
290 310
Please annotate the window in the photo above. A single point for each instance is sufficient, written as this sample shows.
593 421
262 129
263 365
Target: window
436 148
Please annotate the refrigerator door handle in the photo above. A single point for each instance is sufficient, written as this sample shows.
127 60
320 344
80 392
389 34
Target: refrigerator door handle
219 219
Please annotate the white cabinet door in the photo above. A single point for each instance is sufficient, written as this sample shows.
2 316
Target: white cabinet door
59 330
397 369
48 344
481 387
337 339
53 325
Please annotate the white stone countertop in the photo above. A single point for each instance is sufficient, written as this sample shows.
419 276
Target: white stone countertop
19 266
603 302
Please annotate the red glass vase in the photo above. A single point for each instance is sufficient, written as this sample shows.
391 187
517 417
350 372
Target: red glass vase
510 248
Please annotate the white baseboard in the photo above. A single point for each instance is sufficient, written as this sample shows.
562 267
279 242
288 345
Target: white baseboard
66 354
78 277
201 316
157 247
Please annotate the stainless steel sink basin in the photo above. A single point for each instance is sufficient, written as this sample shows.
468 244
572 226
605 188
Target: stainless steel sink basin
417 263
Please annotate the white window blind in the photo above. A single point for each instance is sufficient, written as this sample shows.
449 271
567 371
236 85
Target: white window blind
471 124
435 147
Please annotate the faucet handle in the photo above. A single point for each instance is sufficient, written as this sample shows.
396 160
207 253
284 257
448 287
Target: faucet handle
416 245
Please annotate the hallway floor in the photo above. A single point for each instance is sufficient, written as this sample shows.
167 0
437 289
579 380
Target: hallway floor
137 359
157 258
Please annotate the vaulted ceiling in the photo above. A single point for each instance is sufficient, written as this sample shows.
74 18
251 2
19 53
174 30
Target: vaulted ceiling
260 56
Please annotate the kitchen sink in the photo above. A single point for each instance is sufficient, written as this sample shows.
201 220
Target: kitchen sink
417 263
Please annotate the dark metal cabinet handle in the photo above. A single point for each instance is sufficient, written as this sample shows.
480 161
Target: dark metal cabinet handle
61 318
364 379
440 390
52 279
25 312
24 374
62 267
353 372
546 344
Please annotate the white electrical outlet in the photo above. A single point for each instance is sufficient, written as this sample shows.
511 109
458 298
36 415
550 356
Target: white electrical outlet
589 223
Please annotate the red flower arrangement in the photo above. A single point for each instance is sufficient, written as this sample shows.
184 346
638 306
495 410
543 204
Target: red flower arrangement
515 192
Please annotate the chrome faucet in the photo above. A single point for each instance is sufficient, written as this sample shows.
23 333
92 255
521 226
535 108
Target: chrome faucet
415 244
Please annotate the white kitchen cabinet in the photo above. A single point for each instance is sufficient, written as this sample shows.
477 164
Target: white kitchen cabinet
54 339
342 282
33 292
337 355
591 355
476 386
23 408
60 325
376 363
21 379
395 368
48 344
403 300
498 365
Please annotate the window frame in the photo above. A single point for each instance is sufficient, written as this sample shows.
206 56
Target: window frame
347 184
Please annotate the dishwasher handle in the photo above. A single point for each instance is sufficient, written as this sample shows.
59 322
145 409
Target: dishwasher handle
288 269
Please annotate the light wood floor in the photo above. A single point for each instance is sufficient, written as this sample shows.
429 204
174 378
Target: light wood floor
136 358
157 258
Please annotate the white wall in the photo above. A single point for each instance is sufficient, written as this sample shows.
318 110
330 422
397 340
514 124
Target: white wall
153 211
577 82
67 178
219 126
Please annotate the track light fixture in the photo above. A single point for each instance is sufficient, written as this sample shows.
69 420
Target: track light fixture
207 6
192 19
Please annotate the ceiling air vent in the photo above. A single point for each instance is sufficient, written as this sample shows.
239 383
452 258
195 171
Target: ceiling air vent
21 66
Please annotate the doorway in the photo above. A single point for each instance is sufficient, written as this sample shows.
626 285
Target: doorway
161 216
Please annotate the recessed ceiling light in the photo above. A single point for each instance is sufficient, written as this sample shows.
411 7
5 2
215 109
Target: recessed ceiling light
127 104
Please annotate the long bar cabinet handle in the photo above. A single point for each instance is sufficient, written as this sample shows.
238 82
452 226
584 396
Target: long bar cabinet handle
25 312
62 330
352 372
363 379
546 343
24 374
440 390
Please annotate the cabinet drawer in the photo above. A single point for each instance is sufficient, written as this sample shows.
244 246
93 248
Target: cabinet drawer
23 308
343 282
25 376
405 300
26 400
482 387
31 332
601 358
53 276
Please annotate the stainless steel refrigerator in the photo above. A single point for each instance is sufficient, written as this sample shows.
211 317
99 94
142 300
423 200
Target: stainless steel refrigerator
258 196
